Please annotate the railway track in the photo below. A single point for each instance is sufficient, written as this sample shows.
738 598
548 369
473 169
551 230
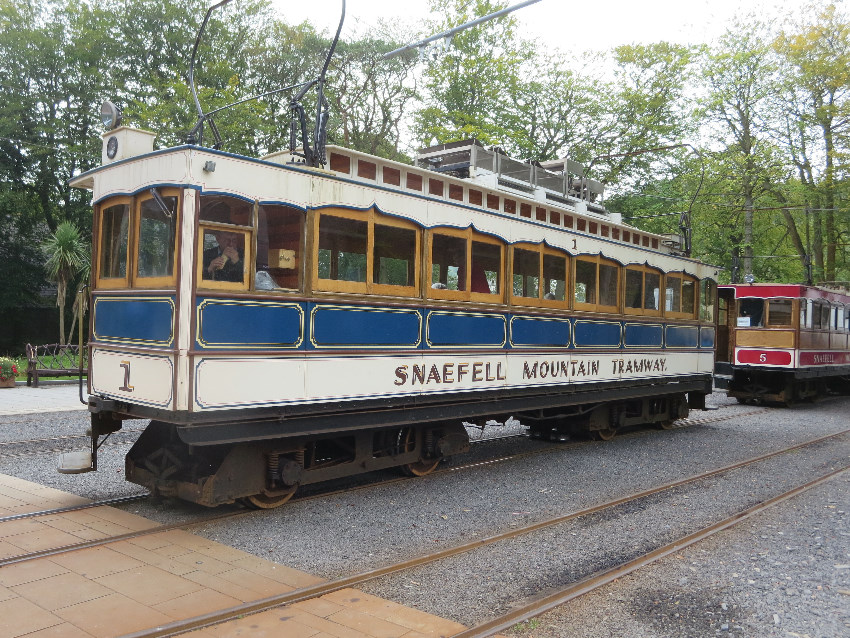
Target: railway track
559 446
529 610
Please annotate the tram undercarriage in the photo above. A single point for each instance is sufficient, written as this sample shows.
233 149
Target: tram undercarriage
266 474
759 386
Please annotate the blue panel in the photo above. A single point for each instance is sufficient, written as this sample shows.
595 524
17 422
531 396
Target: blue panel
682 336
248 324
706 337
600 334
141 320
526 331
353 326
644 335
446 329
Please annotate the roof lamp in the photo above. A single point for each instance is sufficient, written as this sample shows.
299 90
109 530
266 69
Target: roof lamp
110 115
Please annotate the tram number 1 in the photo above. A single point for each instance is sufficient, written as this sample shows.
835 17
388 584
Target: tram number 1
126 387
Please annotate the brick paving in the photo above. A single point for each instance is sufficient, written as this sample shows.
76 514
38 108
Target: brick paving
158 578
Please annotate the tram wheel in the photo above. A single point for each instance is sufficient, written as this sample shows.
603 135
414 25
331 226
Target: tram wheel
666 424
264 501
406 443
605 435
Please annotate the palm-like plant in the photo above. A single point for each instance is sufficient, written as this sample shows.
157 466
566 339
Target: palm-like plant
67 258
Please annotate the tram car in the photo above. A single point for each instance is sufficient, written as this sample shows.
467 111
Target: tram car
320 312
782 343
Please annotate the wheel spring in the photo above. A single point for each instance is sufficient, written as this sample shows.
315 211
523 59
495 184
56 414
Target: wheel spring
273 467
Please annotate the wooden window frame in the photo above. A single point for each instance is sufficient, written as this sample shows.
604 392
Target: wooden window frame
595 307
795 313
156 282
683 277
661 292
247 257
466 294
111 283
368 287
540 301
702 305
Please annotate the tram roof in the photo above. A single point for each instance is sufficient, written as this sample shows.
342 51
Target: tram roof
786 291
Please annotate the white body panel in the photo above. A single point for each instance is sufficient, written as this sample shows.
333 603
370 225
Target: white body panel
224 382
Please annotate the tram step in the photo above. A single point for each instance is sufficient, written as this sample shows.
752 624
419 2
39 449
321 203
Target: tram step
75 462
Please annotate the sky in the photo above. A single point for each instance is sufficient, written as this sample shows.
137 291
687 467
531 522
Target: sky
572 27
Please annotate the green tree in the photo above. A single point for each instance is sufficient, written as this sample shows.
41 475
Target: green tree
470 90
67 261
818 99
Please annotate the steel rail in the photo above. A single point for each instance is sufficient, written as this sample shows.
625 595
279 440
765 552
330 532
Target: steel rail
586 585
321 589
118 500
466 466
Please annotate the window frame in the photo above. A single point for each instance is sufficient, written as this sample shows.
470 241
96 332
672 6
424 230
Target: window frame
540 301
111 283
470 236
662 291
768 323
369 287
597 306
170 281
683 277
247 257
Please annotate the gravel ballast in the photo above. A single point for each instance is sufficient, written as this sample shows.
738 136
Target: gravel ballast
344 533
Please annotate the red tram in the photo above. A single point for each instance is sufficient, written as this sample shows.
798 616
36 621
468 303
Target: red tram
782 342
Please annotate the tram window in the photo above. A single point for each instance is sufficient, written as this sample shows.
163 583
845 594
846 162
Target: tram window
554 277
486 266
279 251
750 313
689 298
585 287
395 255
673 296
708 299
652 291
642 291
820 315
157 235
526 273
608 285
224 209
223 256
634 288
343 247
114 234
448 262
722 311
779 312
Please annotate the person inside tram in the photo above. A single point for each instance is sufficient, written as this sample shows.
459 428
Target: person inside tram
224 261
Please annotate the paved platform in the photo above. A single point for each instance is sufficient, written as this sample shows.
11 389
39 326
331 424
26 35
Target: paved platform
48 397
158 578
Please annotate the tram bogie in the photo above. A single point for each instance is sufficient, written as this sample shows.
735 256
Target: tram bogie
263 473
604 420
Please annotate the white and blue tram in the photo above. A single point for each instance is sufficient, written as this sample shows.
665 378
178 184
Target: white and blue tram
320 312
281 324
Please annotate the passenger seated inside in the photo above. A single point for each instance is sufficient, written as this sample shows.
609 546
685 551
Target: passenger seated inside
479 280
224 262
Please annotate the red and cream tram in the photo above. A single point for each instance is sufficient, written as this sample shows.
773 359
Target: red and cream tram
782 342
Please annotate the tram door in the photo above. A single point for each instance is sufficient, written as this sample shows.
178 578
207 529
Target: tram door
726 312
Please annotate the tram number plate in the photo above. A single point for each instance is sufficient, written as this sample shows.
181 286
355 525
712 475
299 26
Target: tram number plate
764 357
